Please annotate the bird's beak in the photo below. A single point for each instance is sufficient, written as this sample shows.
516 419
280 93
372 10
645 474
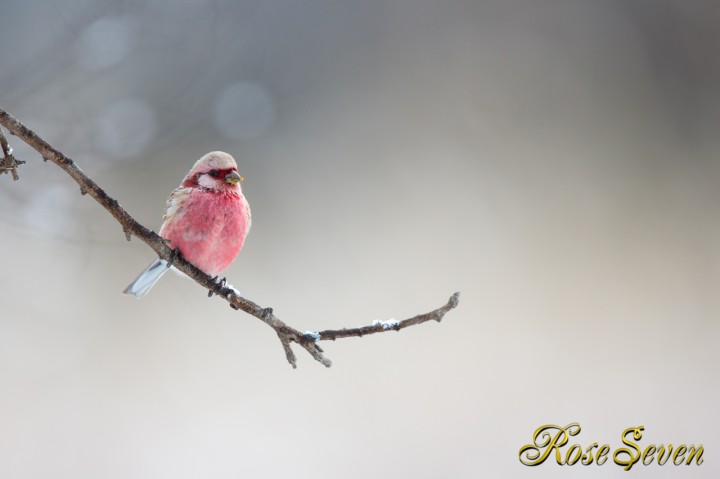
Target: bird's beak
233 177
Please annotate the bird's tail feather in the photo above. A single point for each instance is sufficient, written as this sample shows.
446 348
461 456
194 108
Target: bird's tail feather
147 278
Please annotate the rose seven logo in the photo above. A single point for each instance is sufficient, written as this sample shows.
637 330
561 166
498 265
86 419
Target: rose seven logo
552 438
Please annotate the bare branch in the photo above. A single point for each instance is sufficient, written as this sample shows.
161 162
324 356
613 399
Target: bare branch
382 326
131 227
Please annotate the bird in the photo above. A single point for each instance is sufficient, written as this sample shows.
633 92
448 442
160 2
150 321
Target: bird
207 219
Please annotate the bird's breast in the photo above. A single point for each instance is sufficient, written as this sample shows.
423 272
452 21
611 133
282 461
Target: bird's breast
209 229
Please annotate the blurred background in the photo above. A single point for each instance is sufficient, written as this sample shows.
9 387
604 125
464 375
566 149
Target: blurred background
557 162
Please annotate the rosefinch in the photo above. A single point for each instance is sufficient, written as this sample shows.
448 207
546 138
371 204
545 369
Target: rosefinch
206 219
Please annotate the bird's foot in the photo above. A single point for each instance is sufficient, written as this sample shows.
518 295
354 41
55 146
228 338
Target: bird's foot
173 256
266 313
220 284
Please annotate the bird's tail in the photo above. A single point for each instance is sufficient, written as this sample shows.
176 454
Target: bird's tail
147 278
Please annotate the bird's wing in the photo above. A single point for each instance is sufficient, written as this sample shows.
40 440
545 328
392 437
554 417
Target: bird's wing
175 203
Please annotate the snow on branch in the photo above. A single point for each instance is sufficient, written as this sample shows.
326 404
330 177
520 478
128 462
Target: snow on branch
286 334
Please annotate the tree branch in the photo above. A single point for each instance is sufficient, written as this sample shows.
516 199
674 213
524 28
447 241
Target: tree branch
131 227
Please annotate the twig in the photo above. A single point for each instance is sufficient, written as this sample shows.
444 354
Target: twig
131 227
8 161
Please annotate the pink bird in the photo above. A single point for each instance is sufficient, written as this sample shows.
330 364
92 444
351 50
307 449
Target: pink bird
206 218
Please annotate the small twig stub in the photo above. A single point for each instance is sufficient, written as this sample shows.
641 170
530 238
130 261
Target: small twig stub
8 163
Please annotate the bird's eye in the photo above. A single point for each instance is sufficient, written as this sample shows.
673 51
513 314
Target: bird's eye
214 173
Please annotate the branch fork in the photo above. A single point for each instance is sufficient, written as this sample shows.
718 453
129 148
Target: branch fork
8 163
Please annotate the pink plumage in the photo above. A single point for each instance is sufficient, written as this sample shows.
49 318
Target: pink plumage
207 218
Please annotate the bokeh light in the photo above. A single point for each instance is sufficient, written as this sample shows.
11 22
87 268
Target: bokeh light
105 43
244 111
125 128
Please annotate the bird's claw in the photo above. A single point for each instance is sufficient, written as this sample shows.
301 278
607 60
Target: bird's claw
173 256
266 313
220 284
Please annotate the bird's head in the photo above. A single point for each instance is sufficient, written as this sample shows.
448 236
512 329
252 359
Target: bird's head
216 171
